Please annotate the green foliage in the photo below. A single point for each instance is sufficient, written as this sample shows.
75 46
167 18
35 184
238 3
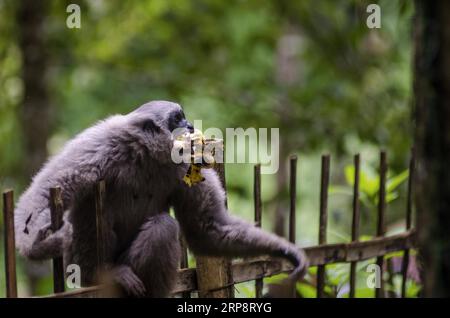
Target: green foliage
245 290
275 279
337 282
338 279
306 290
369 185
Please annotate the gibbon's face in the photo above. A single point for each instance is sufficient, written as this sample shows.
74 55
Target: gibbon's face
178 120
161 114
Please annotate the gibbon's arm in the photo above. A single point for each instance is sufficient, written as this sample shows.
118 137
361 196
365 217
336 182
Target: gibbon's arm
210 230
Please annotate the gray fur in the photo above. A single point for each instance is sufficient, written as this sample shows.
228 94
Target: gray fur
132 154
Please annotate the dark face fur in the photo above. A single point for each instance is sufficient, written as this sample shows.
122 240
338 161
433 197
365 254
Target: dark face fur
162 114
178 120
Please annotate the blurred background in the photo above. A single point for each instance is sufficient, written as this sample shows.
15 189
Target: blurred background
311 68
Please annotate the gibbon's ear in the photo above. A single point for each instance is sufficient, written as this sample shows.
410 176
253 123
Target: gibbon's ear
149 126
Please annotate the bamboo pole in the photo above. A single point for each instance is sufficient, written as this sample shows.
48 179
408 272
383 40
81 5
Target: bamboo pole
325 179
292 196
355 222
56 215
9 240
184 261
379 292
405 262
214 277
292 206
258 211
268 266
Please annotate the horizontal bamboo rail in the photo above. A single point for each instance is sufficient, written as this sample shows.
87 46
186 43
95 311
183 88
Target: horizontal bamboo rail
265 267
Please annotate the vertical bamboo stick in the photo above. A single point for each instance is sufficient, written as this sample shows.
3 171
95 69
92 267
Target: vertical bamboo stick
381 217
355 222
9 240
258 211
325 179
405 262
99 218
56 215
293 197
184 261
184 253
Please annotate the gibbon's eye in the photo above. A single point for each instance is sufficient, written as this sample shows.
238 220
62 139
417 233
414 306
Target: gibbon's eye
175 120
150 126
178 117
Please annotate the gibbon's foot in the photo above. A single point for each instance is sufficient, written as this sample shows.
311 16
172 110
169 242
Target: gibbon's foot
44 232
129 281
49 244
301 263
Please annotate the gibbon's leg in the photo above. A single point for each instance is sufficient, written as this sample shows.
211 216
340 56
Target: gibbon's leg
153 257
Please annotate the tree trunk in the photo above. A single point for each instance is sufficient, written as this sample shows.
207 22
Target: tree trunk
432 115
287 77
35 111
35 108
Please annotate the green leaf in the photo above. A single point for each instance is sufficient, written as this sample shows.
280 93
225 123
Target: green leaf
412 289
275 279
394 254
368 184
391 196
364 293
364 238
312 270
328 290
349 172
245 290
394 182
306 290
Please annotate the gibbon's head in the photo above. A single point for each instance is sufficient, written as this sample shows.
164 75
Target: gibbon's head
156 115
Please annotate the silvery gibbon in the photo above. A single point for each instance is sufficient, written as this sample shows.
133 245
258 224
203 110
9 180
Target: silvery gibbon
132 153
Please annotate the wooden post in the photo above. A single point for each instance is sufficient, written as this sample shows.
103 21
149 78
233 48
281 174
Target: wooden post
214 275
184 261
292 205
9 240
56 215
355 223
405 262
379 293
258 209
325 179
292 196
